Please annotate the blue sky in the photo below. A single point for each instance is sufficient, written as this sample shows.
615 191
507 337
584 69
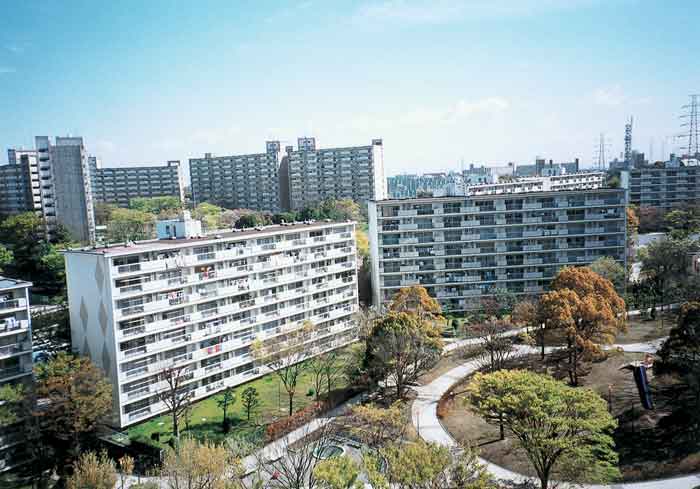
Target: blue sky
485 81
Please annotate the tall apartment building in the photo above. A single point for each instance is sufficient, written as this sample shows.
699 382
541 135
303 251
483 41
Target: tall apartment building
15 359
199 303
241 181
313 175
665 186
65 179
20 189
465 248
118 185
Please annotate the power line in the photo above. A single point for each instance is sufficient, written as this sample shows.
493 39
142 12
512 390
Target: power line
692 134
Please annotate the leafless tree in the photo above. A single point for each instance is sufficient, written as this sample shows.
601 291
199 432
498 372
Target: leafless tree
176 396
496 349
292 466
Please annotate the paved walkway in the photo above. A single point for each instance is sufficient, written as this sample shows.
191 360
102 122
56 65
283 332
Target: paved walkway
428 426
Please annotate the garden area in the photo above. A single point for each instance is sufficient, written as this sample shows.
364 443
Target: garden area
205 420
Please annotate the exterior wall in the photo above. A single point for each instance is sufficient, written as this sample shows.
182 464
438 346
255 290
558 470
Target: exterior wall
20 190
463 249
15 360
355 173
242 181
201 303
664 187
71 192
119 185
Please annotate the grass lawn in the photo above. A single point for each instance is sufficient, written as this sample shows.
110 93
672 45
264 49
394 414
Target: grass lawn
642 330
207 417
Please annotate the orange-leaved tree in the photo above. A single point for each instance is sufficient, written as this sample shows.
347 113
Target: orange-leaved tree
586 308
416 300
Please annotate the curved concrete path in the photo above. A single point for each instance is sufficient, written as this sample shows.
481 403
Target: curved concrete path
428 426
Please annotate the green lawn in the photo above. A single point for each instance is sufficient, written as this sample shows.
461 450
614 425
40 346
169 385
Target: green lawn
207 417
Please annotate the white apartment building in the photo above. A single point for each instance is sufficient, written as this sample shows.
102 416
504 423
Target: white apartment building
238 182
462 249
314 175
119 185
201 301
15 359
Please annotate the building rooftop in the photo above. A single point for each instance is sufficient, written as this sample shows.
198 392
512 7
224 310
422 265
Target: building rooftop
209 238
11 283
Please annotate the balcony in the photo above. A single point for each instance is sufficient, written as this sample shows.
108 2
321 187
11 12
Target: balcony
13 327
470 223
408 268
532 205
407 282
408 254
471 251
13 304
408 240
407 227
408 212
14 349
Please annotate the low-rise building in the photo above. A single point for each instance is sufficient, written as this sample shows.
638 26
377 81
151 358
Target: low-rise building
15 360
497 239
198 302
665 185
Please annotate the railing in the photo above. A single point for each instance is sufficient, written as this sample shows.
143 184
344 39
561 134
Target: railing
13 303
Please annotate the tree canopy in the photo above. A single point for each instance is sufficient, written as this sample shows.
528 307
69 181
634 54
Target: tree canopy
560 428
609 268
166 206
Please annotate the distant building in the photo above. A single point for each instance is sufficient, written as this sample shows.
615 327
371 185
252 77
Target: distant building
240 181
119 185
68 185
15 361
20 183
312 175
543 168
497 239
664 185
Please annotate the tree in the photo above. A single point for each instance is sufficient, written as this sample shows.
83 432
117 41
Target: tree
632 225
225 401
651 219
251 401
165 207
333 365
681 223
6 257
285 358
377 426
362 243
199 465
496 349
126 468
209 214
338 473
560 428
664 263
130 225
93 472
586 308
609 268
103 212
25 236
402 348
11 404
175 395
335 210
525 314
76 398
416 300
424 465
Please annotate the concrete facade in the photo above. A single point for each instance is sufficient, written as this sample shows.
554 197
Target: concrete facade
663 186
314 175
15 360
465 248
200 303
241 181
118 185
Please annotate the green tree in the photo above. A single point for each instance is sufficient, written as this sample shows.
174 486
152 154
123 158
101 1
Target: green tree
401 348
225 401
24 234
251 220
103 213
209 214
563 430
609 268
130 225
166 206
665 263
338 473
5 257
250 400
11 404
681 223
333 209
